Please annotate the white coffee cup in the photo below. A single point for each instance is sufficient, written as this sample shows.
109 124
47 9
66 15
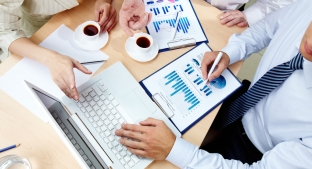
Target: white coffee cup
143 42
89 31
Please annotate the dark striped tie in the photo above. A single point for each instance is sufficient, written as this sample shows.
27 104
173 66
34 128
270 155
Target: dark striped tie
267 83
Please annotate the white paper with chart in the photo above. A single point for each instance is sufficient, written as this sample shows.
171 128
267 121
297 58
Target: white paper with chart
181 86
164 27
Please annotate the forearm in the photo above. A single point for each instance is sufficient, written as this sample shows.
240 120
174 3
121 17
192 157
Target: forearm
28 49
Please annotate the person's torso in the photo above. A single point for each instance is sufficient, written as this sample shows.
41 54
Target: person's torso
36 13
286 113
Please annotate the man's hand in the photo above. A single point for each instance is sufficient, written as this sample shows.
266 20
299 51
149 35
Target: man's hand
153 139
105 14
132 15
234 17
61 69
207 62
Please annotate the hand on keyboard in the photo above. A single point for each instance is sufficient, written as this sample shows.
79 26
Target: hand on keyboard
155 138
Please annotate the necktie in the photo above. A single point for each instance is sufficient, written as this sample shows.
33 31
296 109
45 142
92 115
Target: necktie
267 83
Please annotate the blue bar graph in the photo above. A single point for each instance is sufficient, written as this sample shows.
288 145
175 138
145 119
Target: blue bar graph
196 79
178 86
183 25
155 10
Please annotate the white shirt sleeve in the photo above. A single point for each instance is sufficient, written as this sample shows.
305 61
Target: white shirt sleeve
261 8
225 5
256 37
289 154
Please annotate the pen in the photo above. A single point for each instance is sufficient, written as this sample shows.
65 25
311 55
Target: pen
216 61
92 62
177 23
8 148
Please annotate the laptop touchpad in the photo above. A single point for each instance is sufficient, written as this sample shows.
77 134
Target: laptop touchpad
138 105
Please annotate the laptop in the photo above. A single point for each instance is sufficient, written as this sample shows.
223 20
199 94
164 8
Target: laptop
87 126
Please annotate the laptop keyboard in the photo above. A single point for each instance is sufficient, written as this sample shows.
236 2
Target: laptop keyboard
106 115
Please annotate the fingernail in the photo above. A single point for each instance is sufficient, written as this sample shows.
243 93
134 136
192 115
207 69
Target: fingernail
76 97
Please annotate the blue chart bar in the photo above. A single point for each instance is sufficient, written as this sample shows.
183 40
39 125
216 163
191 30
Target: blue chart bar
196 80
150 2
201 81
179 86
170 74
191 71
207 91
205 87
189 68
195 104
181 8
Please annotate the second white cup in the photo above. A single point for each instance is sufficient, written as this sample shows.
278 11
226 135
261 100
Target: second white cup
90 31
143 42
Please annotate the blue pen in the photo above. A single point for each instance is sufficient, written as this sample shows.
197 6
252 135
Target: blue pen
8 148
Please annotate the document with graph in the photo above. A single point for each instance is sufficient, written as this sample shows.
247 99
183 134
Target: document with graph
174 24
179 90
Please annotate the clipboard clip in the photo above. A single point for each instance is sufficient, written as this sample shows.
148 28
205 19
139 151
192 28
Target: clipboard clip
181 43
163 104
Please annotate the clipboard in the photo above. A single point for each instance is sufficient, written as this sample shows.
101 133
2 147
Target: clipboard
172 95
163 12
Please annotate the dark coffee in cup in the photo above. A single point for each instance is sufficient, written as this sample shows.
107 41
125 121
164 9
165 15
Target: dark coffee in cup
143 42
90 30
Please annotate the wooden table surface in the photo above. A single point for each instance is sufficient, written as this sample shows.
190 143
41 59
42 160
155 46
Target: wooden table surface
39 142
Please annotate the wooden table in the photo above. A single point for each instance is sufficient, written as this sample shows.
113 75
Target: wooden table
40 144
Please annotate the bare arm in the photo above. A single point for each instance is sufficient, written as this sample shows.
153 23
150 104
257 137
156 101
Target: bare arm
60 66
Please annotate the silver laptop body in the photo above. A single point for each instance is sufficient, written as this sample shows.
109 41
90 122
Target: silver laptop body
106 101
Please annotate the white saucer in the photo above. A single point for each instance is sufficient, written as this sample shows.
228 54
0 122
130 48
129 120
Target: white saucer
141 57
92 45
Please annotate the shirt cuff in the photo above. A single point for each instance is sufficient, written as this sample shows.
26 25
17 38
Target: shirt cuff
232 52
181 147
253 15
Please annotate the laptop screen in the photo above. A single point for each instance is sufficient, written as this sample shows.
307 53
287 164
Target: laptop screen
74 135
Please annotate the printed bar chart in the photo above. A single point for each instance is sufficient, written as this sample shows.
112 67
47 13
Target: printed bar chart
166 9
179 92
196 79
169 25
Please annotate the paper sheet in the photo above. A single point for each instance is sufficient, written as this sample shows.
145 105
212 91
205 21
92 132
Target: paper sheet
164 22
62 41
180 84
13 81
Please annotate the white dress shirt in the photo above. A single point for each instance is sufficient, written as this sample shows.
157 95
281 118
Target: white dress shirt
255 12
280 125
22 18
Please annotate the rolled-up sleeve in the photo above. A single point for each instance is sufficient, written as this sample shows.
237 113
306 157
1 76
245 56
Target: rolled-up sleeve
261 8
